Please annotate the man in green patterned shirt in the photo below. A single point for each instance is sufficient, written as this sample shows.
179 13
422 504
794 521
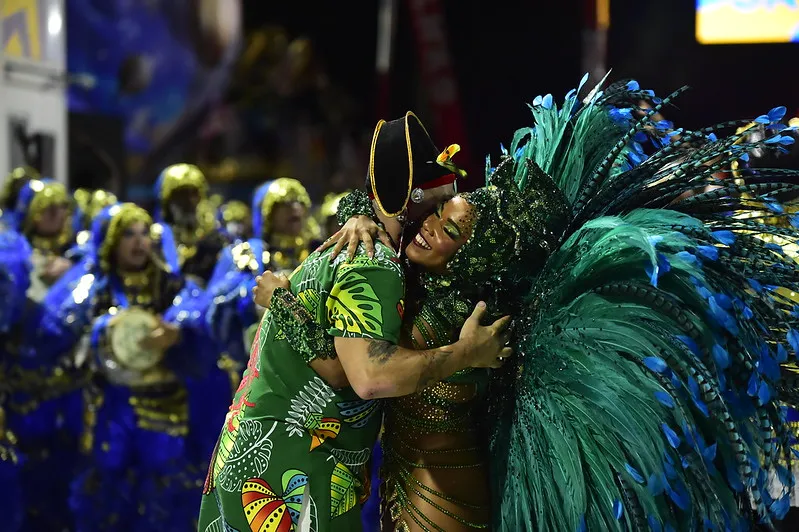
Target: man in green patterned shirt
296 433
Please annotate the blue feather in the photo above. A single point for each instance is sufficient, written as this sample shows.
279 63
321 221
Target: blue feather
754 382
671 436
654 524
709 454
777 114
633 85
744 157
656 484
689 258
656 364
618 510
763 393
634 473
670 471
773 206
581 526
756 286
781 506
689 342
762 119
709 252
725 237
665 399
721 356
679 494
768 366
782 353
793 340
724 301
712 137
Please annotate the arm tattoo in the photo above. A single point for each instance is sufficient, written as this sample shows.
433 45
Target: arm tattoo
431 374
380 351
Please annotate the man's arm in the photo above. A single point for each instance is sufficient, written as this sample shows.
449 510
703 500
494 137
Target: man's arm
378 369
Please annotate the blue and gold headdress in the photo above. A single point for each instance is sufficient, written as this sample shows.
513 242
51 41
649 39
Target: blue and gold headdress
14 180
282 190
108 227
175 177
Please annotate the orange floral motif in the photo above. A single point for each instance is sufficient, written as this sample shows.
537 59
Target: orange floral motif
322 429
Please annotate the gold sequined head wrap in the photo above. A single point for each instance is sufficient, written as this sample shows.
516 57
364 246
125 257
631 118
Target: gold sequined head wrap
122 217
99 200
286 190
181 176
16 178
45 195
235 211
82 197
330 205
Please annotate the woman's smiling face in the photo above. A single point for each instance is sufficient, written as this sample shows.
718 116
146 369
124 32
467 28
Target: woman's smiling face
442 234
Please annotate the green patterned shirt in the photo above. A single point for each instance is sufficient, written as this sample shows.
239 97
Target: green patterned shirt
287 429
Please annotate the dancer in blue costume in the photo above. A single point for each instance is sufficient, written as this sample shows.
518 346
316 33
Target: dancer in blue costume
138 328
235 221
280 248
187 220
15 269
44 402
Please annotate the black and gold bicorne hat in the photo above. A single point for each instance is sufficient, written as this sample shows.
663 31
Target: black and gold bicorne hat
404 162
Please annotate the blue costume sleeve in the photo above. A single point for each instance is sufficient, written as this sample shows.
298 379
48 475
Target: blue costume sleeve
63 315
15 268
197 352
231 309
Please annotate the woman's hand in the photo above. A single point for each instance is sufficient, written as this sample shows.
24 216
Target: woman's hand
357 229
266 285
487 346
162 338
54 269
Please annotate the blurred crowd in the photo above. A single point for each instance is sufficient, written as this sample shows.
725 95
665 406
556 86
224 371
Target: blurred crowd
123 340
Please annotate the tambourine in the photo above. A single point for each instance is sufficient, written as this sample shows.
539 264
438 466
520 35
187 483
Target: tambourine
127 329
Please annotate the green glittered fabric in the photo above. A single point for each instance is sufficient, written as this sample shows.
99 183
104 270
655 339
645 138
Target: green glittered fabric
516 227
356 203
307 337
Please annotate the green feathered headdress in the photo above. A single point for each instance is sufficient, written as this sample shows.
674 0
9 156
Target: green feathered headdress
516 229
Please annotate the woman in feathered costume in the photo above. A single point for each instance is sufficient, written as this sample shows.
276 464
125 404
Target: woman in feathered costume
649 324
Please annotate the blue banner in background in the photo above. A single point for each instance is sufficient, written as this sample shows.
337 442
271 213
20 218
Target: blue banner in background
158 65
141 71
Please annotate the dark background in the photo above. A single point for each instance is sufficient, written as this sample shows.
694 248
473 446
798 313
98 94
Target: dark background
505 53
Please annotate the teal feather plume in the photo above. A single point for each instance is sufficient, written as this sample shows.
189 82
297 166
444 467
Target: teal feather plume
645 391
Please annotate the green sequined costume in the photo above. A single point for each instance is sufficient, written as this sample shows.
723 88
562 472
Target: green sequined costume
289 438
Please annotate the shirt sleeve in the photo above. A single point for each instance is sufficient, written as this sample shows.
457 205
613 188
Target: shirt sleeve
366 301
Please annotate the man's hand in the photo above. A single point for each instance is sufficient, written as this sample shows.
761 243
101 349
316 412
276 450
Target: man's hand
266 285
357 229
486 345
54 269
162 338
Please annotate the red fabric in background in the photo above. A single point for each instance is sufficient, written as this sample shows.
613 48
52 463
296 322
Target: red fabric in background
438 78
